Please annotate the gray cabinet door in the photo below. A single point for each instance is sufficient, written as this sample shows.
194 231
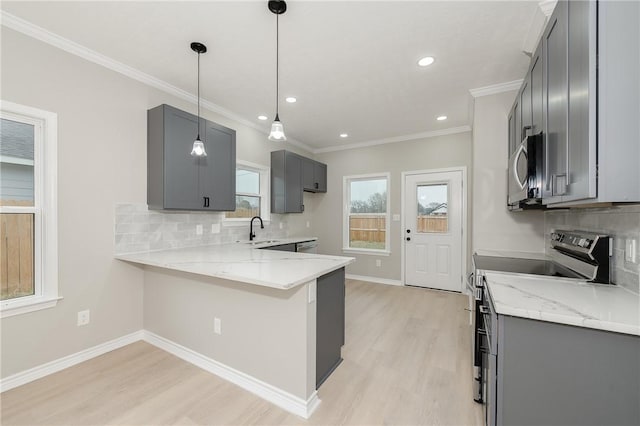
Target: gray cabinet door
293 183
581 173
320 175
314 176
180 168
512 133
556 102
537 90
330 323
218 168
525 107
517 120
308 174
286 182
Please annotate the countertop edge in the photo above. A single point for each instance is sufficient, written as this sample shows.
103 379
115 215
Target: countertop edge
534 314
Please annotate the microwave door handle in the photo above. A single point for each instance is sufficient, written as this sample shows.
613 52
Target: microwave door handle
521 150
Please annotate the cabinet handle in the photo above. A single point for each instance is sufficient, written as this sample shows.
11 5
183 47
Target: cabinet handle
302 206
316 185
206 201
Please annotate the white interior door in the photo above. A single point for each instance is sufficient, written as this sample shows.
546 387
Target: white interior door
433 230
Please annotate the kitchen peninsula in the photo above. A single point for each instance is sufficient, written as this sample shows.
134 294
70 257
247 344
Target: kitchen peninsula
244 313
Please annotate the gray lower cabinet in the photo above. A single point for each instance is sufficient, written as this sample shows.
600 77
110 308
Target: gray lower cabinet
555 374
178 181
330 323
283 247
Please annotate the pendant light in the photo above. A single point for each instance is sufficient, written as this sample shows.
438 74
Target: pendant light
278 7
198 147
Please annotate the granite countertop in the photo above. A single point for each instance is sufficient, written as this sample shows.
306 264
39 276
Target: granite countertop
565 301
245 262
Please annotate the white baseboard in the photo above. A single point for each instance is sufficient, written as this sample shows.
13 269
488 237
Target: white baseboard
279 397
59 364
282 399
373 279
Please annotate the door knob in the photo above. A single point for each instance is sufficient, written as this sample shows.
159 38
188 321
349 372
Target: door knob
408 238
408 231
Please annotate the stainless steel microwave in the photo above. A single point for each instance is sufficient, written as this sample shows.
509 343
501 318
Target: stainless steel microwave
525 174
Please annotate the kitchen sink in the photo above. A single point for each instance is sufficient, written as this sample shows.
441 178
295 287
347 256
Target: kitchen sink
255 243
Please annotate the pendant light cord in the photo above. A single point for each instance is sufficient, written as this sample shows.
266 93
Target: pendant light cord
277 64
198 96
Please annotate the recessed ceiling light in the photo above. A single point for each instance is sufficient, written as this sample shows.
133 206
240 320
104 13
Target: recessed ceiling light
344 135
441 118
426 61
262 117
291 99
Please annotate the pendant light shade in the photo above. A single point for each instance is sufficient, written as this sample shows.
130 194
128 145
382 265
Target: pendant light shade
198 147
277 131
278 7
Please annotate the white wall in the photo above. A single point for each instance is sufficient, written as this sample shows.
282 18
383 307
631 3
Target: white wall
431 153
101 162
494 227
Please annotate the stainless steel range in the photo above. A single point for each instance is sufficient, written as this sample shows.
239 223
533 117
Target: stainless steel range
574 255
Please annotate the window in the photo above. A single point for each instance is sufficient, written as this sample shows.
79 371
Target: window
432 208
28 234
252 192
366 217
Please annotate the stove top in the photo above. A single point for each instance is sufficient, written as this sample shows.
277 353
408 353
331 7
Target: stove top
523 266
574 254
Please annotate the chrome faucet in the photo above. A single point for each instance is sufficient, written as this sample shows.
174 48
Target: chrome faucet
252 234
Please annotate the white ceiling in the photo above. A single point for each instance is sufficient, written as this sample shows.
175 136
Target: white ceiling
352 65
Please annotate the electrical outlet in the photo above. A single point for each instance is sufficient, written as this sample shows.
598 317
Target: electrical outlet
215 228
378 263
630 250
308 224
281 225
217 325
84 317
198 229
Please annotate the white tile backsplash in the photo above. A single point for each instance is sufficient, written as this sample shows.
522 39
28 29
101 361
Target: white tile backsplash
139 229
620 222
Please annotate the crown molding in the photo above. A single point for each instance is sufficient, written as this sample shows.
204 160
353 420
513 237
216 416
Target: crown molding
395 139
496 88
547 6
29 29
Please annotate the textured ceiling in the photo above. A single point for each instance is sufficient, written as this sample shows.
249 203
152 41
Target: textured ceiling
352 65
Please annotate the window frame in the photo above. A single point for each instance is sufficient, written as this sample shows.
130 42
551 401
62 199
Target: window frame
346 207
44 209
265 194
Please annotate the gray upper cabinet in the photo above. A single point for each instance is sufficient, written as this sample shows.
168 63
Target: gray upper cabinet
178 181
537 91
286 182
291 174
583 88
557 102
314 176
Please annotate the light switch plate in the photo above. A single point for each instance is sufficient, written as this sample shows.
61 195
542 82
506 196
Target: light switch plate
199 229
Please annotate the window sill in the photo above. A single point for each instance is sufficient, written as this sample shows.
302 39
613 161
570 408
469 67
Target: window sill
371 252
9 308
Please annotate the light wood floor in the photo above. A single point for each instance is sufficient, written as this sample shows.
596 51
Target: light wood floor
406 362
